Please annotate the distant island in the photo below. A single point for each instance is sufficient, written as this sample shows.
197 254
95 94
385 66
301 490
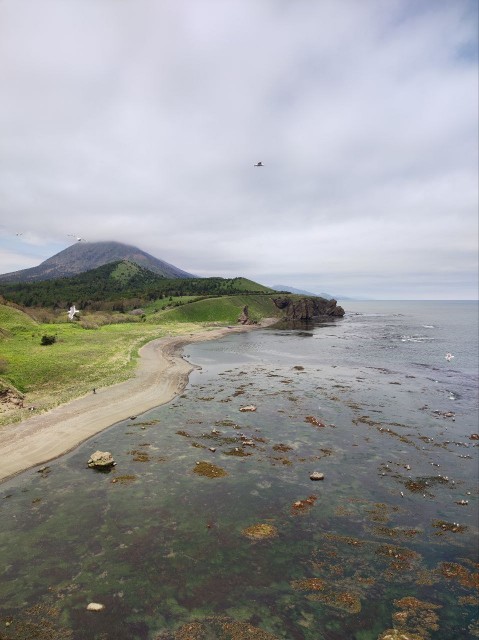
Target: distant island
326 296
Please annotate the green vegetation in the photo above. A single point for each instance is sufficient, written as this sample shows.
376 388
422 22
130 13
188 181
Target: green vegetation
100 348
121 286
79 359
223 310
13 319
49 360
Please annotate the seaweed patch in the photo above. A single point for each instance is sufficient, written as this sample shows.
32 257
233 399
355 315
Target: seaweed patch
260 531
209 470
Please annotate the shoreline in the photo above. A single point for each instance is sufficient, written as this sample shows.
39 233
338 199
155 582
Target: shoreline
161 375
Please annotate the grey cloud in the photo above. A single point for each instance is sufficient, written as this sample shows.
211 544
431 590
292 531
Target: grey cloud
141 122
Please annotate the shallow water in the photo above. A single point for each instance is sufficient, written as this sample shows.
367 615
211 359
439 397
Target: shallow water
382 542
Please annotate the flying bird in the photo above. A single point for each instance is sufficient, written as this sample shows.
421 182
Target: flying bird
259 164
78 238
449 357
72 312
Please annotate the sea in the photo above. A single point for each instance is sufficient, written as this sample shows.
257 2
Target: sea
212 526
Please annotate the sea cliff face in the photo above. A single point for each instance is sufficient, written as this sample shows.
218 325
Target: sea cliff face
308 308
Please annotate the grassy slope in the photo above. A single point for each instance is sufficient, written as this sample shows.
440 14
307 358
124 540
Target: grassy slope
224 310
11 318
79 360
82 359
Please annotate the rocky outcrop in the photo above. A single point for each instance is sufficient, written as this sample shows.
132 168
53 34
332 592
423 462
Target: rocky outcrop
310 308
10 398
244 317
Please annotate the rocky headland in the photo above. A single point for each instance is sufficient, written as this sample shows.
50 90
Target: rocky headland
307 309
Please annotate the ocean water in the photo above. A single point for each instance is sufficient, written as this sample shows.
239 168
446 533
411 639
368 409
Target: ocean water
210 527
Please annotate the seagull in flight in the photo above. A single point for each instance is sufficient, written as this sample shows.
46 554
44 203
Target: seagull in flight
449 357
72 312
259 164
73 235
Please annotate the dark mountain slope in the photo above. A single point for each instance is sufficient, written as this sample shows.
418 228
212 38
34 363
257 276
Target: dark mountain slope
84 256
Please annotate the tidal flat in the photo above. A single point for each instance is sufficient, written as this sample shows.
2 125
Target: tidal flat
210 527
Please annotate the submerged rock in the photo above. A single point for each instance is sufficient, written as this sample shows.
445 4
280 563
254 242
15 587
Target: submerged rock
394 634
216 628
101 460
314 421
45 470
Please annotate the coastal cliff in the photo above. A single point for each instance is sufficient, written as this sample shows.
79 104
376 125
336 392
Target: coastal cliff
308 308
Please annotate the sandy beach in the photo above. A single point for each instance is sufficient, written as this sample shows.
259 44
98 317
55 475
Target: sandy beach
162 374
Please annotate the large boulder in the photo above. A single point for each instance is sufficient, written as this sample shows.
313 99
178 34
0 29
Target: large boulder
101 460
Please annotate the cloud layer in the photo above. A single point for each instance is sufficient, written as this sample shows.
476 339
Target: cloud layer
140 121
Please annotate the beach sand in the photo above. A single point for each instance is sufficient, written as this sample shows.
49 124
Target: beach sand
162 374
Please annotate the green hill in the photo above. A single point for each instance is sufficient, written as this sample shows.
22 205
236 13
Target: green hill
124 282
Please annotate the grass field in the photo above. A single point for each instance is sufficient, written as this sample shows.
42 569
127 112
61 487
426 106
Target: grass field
224 310
99 349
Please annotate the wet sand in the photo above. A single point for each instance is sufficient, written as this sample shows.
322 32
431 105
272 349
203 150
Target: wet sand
161 375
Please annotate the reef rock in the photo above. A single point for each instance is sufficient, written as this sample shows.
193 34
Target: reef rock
310 308
101 460
394 634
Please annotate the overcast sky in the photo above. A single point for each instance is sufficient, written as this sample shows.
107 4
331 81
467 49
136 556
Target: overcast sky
140 121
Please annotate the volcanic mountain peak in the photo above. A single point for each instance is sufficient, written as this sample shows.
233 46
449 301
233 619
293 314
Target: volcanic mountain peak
84 256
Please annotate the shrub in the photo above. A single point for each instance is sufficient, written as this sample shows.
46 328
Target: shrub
88 324
48 340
